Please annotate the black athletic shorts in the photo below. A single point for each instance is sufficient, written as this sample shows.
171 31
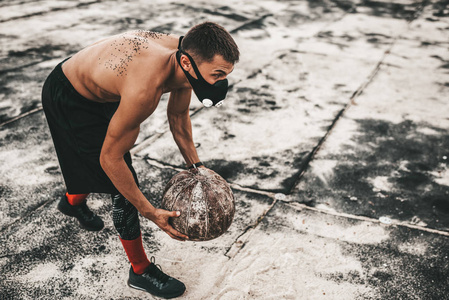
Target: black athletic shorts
78 127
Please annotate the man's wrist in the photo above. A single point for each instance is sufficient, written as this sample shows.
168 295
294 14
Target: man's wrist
148 212
195 165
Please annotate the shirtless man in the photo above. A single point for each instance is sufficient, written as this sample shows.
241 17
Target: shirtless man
96 100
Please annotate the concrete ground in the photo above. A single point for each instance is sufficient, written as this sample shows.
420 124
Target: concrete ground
334 137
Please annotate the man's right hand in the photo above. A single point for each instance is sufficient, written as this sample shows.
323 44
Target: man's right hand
160 218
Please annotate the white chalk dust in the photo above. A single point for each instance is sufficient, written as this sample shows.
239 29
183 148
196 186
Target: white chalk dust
42 272
381 183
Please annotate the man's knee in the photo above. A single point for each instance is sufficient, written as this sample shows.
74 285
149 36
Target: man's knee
125 217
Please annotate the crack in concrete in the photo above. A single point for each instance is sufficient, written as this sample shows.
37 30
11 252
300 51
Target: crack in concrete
39 206
243 238
300 206
21 116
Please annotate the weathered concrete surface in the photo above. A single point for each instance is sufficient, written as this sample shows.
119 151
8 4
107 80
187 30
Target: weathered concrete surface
341 105
387 156
30 174
313 255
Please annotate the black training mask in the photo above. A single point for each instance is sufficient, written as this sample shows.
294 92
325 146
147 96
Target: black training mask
208 94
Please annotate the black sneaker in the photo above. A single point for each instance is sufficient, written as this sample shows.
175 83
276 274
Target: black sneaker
156 282
88 220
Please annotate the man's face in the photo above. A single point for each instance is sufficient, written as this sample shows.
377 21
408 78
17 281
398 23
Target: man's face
213 71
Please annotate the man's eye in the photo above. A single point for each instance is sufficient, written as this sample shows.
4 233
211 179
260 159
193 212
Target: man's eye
216 75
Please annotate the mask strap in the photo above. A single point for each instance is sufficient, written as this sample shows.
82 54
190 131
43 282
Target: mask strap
179 44
195 68
178 54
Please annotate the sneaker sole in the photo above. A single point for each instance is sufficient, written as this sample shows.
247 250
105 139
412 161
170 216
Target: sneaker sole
157 296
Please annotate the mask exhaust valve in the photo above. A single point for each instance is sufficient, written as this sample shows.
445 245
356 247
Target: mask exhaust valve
207 102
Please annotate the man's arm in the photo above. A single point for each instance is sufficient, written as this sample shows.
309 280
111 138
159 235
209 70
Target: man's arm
121 136
180 125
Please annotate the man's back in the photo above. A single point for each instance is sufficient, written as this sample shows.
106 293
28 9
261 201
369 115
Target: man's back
101 71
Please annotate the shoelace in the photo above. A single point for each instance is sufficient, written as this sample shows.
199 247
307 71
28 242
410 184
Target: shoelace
158 274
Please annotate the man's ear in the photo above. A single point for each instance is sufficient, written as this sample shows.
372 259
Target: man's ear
185 62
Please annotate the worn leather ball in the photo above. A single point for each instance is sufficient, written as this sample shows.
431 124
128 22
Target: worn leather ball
205 200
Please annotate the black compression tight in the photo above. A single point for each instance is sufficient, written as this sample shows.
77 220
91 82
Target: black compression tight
125 217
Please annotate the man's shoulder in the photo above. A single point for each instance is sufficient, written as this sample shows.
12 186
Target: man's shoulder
151 56
143 40
130 61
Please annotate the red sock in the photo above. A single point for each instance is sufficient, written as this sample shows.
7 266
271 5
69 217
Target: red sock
76 199
136 254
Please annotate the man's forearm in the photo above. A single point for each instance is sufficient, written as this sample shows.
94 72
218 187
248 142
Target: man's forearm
187 149
122 178
181 129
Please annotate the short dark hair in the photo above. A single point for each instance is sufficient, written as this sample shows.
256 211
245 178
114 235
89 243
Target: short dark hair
205 40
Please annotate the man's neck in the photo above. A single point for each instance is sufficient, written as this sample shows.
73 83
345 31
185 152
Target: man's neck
176 80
